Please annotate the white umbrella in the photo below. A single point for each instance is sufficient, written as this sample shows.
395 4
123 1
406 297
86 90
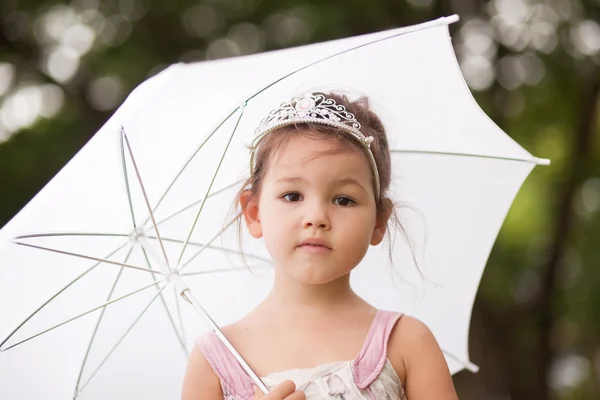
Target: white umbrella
450 162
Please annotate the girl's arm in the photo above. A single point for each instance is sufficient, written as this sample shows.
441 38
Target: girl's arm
413 346
200 382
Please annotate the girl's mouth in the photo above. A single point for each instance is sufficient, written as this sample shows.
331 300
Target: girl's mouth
314 249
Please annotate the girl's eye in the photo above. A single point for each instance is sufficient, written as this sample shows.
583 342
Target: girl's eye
344 201
292 197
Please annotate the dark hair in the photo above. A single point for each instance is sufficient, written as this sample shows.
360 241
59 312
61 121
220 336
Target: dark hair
371 125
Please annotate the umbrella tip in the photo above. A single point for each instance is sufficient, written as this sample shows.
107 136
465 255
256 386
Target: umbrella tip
542 161
451 19
473 368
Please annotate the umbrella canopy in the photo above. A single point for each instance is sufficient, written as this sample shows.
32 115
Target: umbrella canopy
177 146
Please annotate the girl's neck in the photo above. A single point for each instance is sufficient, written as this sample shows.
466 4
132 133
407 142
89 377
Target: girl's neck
291 296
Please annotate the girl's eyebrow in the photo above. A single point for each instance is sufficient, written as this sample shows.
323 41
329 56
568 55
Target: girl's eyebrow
290 179
338 182
350 181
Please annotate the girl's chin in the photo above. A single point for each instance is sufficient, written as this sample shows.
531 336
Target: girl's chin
316 276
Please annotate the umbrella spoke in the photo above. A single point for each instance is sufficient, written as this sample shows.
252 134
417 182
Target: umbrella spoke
169 316
185 165
219 233
183 338
101 260
99 321
151 213
80 315
414 28
55 296
538 161
223 249
121 338
198 202
67 234
148 250
221 270
211 183
126 179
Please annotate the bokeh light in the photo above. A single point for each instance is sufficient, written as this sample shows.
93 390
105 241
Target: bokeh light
201 21
7 76
105 93
586 37
61 63
248 37
21 108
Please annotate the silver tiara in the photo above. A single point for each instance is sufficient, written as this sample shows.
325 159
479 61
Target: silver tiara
313 109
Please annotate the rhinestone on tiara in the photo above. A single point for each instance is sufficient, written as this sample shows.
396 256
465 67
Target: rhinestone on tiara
311 108
314 109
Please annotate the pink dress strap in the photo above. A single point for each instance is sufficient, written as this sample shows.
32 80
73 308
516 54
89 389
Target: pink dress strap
368 364
233 377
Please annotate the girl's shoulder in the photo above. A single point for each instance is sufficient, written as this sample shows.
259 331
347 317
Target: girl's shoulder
408 333
416 355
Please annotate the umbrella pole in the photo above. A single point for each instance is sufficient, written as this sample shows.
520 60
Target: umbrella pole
185 292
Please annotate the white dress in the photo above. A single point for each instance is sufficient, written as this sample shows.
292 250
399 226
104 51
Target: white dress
369 376
334 381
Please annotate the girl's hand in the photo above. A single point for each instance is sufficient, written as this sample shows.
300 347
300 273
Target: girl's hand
286 390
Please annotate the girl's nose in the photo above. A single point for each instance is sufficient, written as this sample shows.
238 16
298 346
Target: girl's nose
316 217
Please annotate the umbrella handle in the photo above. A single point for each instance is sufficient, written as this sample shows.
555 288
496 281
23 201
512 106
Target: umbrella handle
185 292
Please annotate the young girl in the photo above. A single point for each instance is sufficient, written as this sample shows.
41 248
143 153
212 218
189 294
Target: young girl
317 195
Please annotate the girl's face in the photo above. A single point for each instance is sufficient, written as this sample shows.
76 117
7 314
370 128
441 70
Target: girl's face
324 198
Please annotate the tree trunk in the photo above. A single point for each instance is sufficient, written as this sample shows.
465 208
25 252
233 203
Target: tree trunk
580 156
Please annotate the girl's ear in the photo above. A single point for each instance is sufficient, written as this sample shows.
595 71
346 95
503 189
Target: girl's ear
381 223
249 205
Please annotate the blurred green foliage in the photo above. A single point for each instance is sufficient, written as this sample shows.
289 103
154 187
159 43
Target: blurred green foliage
533 65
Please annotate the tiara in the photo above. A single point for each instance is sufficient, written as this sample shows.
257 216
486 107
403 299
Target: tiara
313 108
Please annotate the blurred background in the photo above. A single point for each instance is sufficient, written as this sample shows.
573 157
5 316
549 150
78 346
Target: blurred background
533 66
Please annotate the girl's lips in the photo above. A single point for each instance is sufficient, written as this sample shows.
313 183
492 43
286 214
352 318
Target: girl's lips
314 249
315 242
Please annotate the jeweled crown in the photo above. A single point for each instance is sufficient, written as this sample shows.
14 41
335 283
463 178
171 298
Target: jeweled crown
311 108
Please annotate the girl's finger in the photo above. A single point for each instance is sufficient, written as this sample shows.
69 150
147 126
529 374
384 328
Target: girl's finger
299 395
281 391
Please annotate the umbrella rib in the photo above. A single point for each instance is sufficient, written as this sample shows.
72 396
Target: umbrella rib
198 202
126 179
80 315
181 327
66 234
182 266
137 172
415 28
221 270
190 160
99 321
225 250
123 337
211 184
148 249
535 160
169 316
55 296
101 260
